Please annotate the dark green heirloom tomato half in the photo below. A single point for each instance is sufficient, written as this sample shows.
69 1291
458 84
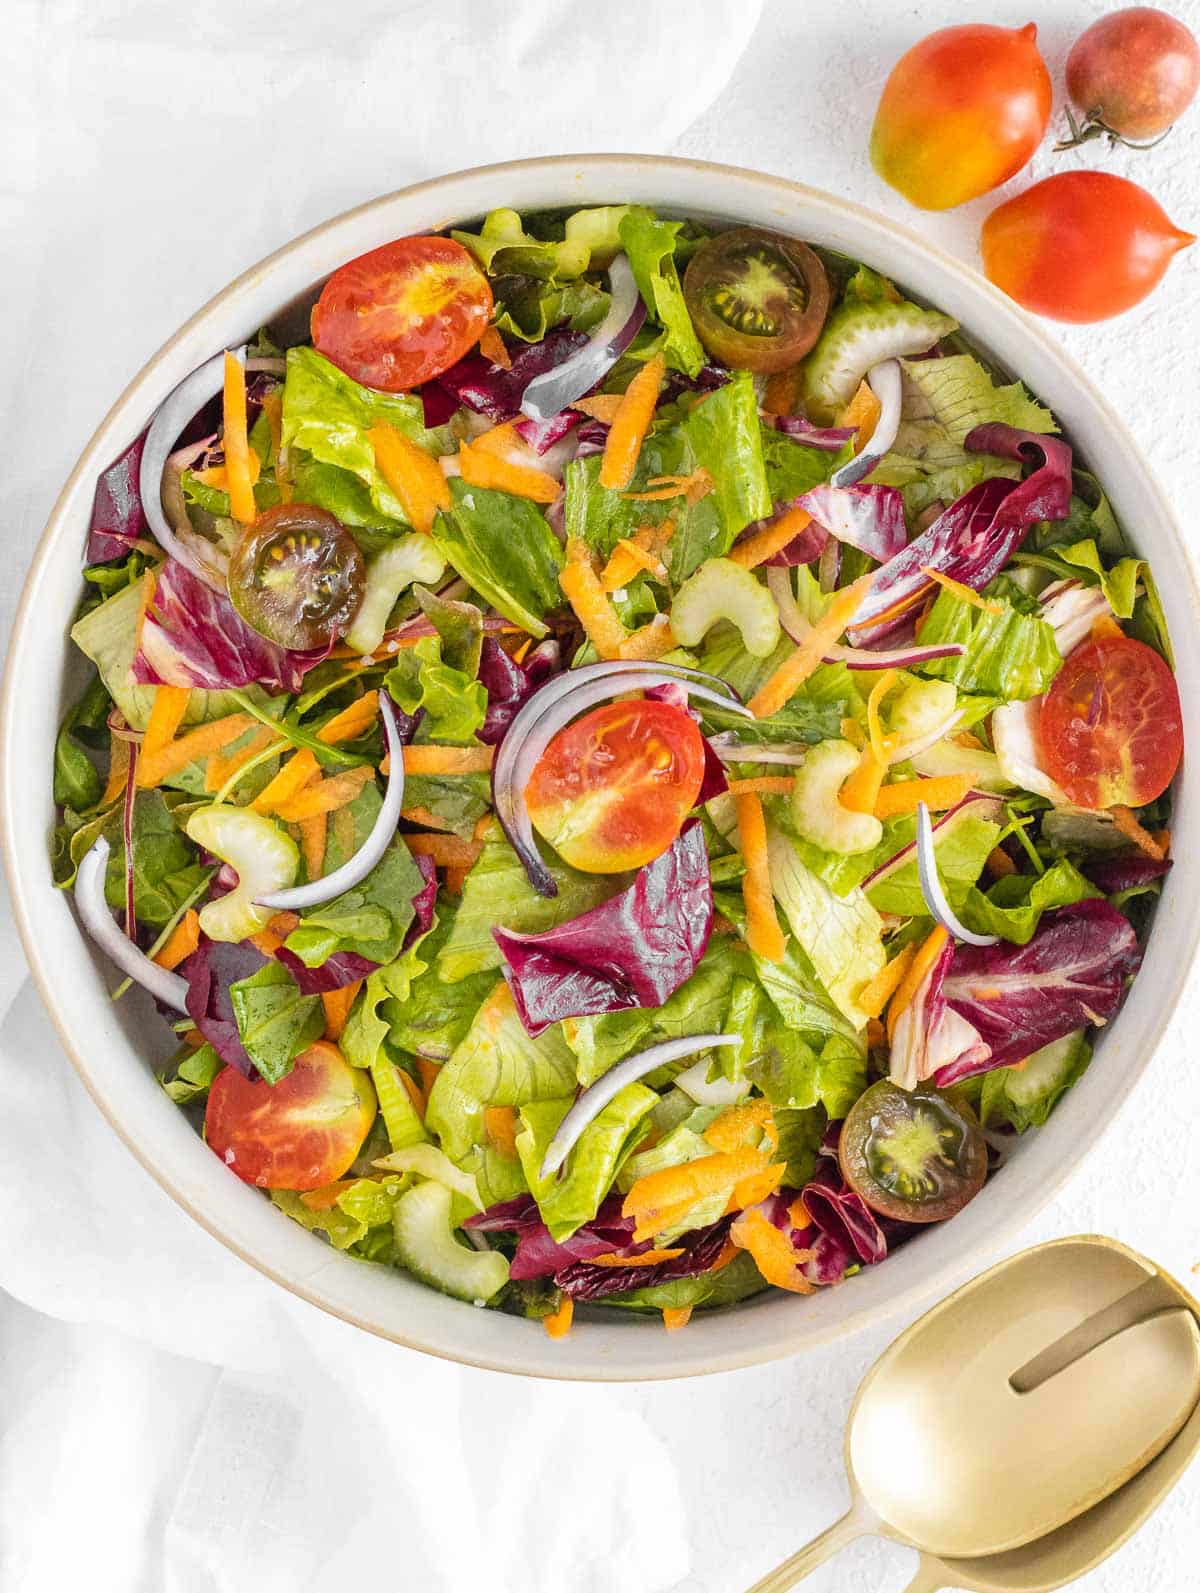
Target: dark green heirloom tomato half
758 300
914 1155
297 576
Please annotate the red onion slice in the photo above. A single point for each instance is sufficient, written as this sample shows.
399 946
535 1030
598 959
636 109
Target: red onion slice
931 885
779 583
597 1096
355 869
551 708
557 389
176 410
884 381
169 988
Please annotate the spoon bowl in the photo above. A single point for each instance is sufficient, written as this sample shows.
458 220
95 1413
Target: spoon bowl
1008 1492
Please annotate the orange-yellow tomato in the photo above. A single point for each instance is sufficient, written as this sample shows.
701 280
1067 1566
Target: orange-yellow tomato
612 790
961 113
1080 246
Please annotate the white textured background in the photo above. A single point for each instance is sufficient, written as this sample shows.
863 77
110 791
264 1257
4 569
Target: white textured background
151 151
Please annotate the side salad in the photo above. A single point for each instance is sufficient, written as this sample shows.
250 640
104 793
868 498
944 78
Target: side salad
631 760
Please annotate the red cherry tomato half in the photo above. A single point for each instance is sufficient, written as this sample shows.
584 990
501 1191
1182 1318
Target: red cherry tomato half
403 313
961 113
298 1134
612 790
1111 726
1080 246
1132 73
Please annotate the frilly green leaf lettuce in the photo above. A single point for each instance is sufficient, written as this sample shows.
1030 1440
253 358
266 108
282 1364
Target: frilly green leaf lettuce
503 548
1009 655
957 392
650 245
1012 907
567 1202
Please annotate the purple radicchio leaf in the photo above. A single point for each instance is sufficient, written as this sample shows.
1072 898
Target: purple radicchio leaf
591 438
831 439
510 684
543 434
706 380
117 517
930 1036
805 547
209 971
715 782
538 1255
634 950
423 902
973 539
337 971
492 390
1122 873
583 1281
1074 972
438 403
845 1231
193 636
869 518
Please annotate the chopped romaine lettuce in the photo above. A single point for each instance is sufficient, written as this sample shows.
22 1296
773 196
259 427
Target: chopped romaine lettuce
503 549
650 245
566 1202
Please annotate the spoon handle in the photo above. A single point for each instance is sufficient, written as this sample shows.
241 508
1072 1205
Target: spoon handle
829 1543
929 1578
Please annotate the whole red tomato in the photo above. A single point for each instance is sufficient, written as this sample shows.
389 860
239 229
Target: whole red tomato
961 113
1080 246
1132 74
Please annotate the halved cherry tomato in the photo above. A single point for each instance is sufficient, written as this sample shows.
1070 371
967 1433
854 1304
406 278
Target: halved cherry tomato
301 1133
403 313
297 576
961 113
612 790
1080 246
758 299
1132 73
1111 726
914 1155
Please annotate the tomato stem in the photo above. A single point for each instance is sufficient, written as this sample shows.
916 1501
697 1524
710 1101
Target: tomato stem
1094 126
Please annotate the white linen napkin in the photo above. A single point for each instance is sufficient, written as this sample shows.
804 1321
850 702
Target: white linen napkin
247 1441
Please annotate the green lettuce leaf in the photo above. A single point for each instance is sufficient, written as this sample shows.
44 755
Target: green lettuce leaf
503 548
726 438
793 469
650 245
1024 1095
455 703
528 307
1009 655
346 497
1118 582
795 1075
458 801
275 1022
800 1136
497 893
365 1040
684 1143
166 870
364 1205
370 920
566 1202
1012 907
961 848
190 1075
77 782
503 247
958 393
430 1017
497 1063
737 1281
814 714
794 989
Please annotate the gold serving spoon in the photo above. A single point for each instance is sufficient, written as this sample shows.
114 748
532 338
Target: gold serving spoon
993 1436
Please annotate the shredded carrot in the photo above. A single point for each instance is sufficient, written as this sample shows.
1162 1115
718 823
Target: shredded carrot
293 777
881 987
862 412
1105 629
313 831
999 865
326 796
558 1323
445 850
1162 839
198 743
500 1125
660 489
192 1038
729 1253
630 424
676 1317
647 1258
965 594
181 942
600 406
965 738
429 1072
426 818
880 742
799 665
352 721
876 1034
1129 827
927 954
764 785
455 878
659 1198
774 1254
759 546
166 716
798 1214
493 347
428 757
272 408
218 475
413 475
654 639
861 787
220 769
236 442
852 732
626 560
337 1004
326 1198
414 1092
118 770
283 923
763 934
738 1125
482 468
902 796
749 1191
267 940
782 393
590 601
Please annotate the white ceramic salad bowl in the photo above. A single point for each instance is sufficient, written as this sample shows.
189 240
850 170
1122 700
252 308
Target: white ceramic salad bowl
110 1045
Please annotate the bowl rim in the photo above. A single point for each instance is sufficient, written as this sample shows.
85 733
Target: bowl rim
597 1365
